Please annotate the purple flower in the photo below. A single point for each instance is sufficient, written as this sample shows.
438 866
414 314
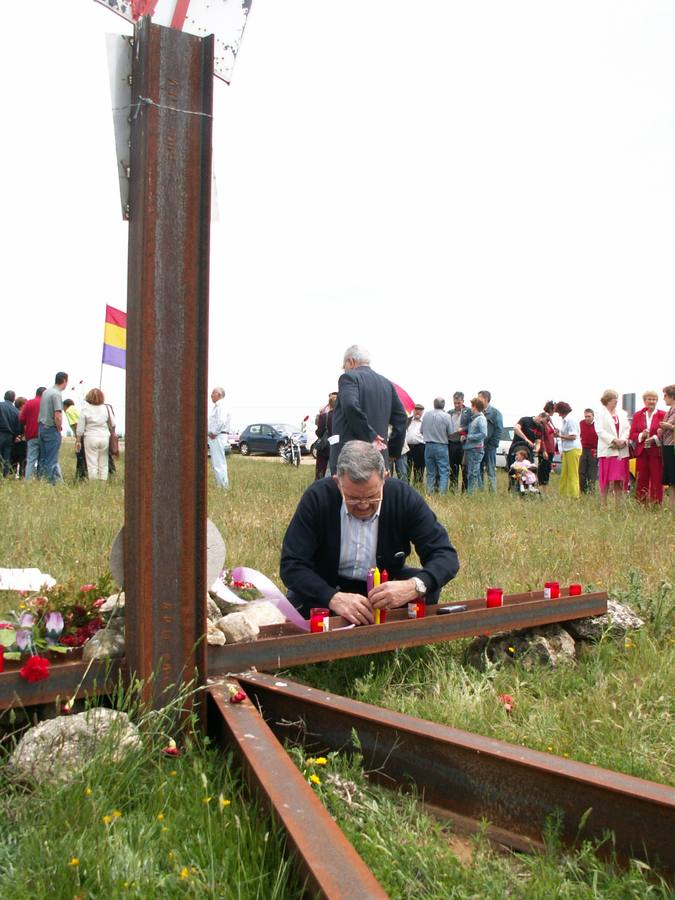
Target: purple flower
53 626
24 638
27 620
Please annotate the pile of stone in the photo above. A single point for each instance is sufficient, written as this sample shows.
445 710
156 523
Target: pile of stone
553 645
227 623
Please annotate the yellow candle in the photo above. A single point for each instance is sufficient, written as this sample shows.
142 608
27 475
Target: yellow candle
376 577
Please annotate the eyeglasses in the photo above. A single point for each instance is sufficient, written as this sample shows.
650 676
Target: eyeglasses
361 501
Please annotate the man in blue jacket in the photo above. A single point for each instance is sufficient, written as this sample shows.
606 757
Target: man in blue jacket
367 405
357 520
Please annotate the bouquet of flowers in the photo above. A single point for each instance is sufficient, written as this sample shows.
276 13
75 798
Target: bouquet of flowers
231 594
62 617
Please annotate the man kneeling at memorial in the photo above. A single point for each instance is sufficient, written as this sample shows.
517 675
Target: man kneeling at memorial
358 520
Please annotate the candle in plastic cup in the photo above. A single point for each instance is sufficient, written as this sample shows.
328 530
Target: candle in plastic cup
575 590
417 609
551 590
494 597
318 619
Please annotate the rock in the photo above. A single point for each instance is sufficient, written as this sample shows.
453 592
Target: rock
214 635
106 643
213 611
245 625
548 645
114 605
237 627
262 612
618 620
60 749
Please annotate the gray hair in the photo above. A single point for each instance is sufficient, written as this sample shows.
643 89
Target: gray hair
439 403
358 354
458 395
358 460
220 390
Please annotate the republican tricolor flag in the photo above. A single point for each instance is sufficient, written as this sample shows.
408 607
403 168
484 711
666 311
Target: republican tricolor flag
115 338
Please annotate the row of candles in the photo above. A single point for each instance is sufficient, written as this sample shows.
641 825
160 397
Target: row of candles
494 596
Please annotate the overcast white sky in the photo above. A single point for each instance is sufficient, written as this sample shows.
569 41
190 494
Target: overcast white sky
481 193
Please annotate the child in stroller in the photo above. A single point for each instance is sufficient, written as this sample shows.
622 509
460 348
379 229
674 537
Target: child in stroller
524 473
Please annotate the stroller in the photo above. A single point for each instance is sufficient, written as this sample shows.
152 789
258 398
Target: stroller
523 475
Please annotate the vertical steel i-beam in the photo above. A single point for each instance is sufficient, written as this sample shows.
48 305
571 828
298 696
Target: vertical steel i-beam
167 356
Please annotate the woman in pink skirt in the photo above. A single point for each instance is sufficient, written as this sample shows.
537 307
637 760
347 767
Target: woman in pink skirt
612 427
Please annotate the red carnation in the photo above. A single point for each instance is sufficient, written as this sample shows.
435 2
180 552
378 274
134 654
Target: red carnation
508 702
237 697
36 669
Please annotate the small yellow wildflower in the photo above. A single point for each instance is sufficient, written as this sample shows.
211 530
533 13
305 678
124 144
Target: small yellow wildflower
116 814
207 800
106 820
310 761
628 643
74 861
222 802
315 779
184 873
566 755
88 792
160 816
550 749
512 649
165 828
173 773
321 761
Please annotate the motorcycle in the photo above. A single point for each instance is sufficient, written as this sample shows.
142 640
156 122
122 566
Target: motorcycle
290 451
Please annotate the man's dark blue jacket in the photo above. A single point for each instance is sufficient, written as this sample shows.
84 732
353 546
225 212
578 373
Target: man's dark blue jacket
310 554
367 404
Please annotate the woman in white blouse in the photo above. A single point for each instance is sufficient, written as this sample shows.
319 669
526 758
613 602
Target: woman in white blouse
94 425
612 428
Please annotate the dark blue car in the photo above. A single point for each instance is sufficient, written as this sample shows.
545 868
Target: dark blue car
268 438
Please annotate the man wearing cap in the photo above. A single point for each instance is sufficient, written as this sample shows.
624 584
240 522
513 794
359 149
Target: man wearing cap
415 442
359 519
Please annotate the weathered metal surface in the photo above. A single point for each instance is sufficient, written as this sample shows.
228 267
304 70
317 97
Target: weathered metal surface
299 649
165 496
516 789
64 679
326 858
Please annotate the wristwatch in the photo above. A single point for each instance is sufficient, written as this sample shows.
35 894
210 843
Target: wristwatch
420 586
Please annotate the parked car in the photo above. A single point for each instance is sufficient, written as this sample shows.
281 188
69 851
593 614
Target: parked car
505 439
269 438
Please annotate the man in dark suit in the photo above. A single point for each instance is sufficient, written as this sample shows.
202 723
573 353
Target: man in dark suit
357 520
366 406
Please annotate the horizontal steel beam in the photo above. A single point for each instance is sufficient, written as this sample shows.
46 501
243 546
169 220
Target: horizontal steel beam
478 778
65 678
298 649
328 862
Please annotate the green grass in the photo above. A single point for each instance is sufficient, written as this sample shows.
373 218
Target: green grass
613 708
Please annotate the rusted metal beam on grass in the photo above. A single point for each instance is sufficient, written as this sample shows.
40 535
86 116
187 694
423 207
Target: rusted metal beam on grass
65 678
516 789
326 859
293 650
168 281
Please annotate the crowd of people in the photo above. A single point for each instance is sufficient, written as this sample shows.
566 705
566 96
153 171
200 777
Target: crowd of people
31 433
456 449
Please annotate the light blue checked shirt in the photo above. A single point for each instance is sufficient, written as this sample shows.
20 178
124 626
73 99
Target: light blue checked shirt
358 544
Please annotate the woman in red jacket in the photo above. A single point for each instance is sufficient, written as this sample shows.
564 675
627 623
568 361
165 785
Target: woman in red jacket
643 434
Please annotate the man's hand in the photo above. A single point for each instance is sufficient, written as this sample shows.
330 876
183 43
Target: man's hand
352 607
379 443
392 594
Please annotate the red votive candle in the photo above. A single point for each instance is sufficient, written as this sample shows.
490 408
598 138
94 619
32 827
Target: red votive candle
551 590
318 619
494 597
417 609
575 590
